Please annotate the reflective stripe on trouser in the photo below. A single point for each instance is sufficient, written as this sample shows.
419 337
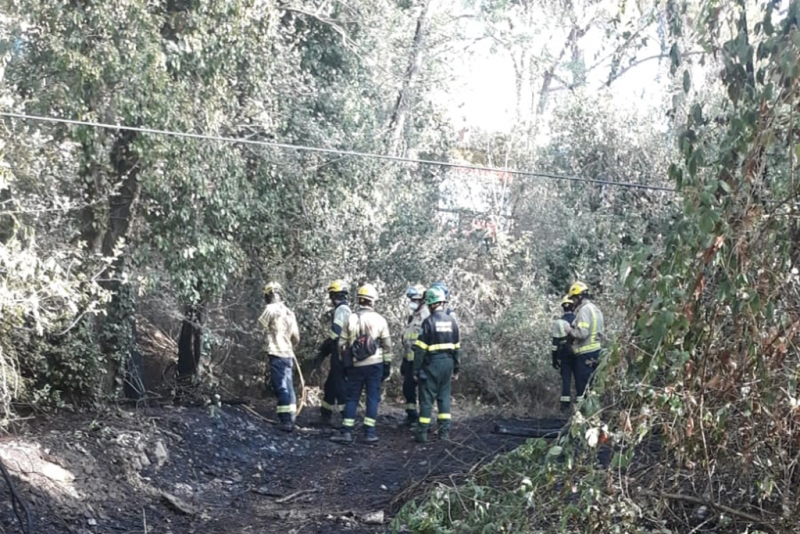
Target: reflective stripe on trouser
436 388
585 366
334 388
359 379
409 389
569 369
280 374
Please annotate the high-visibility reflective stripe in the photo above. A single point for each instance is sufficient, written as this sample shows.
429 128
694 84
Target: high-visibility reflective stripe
410 356
411 406
424 420
579 398
368 421
292 408
387 357
584 325
419 343
349 422
566 398
593 335
285 409
444 416
412 335
588 348
444 346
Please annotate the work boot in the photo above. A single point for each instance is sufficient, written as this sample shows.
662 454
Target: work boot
444 435
286 426
421 436
343 437
371 439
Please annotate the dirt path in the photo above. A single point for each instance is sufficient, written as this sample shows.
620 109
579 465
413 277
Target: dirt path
211 470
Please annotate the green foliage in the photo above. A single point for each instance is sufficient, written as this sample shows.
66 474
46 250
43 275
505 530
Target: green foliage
700 389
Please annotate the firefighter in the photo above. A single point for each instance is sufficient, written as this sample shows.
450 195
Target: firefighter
367 363
441 285
282 335
334 389
419 312
563 358
586 331
437 354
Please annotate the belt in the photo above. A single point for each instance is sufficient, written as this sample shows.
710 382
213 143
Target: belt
440 356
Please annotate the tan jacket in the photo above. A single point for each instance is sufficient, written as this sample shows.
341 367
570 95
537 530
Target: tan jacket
587 329
368 321
412 330
280 329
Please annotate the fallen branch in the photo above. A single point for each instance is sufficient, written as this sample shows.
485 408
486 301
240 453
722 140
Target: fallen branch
719 507
257 415
294 495
528 432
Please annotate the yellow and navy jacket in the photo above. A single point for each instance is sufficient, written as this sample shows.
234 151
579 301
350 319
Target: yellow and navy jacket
280 329
439 335
368 321
412 330
561 328
587 329
333 344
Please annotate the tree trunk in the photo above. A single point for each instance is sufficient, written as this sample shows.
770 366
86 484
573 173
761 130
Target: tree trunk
190 345
405 96
118 339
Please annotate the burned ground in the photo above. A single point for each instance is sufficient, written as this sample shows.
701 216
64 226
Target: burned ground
225 470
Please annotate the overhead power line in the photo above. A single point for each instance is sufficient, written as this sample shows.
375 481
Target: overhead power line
334 151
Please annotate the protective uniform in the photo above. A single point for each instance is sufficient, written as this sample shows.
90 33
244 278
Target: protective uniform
334 392
586 331
410 334
563 358
437 355
366 374
281 333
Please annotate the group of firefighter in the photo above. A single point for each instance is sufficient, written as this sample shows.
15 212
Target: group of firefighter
359 348
577 342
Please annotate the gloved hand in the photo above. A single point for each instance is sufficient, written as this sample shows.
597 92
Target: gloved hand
556 362
421 376
387 371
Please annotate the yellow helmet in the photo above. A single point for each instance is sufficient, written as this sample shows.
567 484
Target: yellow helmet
578 288
272 287
368 291
567 301
337 286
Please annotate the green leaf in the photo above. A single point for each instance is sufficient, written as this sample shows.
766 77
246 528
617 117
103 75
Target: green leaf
675 56
697 113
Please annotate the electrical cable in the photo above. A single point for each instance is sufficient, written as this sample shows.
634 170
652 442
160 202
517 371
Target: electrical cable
322 150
